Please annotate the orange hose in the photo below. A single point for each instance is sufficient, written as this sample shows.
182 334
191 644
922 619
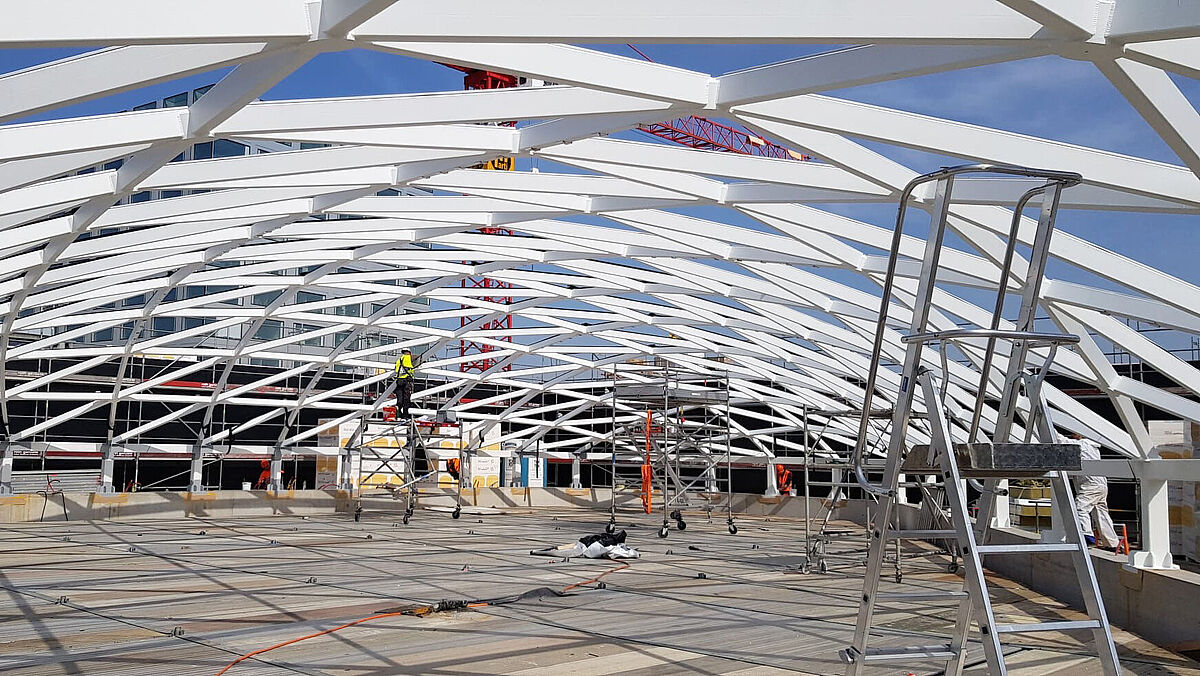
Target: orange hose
305 638
569 587
478 604
647 471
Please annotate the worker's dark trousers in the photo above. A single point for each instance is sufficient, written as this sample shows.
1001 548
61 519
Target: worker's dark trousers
404 397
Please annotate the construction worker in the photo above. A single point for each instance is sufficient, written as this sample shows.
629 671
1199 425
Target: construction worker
1091 500
404 380
264 477
783 478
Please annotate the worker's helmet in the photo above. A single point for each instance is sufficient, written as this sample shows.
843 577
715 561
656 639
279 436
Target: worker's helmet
405 350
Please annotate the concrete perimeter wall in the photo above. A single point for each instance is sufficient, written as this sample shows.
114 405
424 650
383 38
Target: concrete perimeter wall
1159 605
154 504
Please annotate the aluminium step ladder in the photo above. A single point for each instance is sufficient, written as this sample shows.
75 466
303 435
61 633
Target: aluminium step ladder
1033 451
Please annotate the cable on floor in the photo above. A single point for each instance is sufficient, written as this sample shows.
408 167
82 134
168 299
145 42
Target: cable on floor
423 610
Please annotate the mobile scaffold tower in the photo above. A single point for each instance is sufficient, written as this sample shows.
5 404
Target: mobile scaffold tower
674 425
401 456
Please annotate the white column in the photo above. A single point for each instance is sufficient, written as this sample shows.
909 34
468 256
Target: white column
772 486
276 484
1001 516
576 473
1155 553
6 469
106 473
196 484
346 467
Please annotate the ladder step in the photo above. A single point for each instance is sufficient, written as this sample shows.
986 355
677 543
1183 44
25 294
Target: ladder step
1026 549
929 652
920 534
1065 625
921 596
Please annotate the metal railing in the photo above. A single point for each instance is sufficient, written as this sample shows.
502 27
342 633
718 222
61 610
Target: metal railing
1056 180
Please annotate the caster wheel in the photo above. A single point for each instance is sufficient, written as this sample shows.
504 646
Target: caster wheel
823 567
676 515
952 568
732 529
662 532
899 579
405 519
681 524
610 528
456 513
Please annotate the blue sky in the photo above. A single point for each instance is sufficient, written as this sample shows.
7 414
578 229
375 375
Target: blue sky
1050 97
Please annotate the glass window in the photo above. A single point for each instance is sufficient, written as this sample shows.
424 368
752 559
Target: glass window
143 196
193 291
266 298
309 146
103 336
271 329
197 93
86 171
308 297
164 325
348 310
193 322
176 101
135 301
177 158
388 192
316 341
147 106
223 147
114 165
202 151
172 294
168 194
341 337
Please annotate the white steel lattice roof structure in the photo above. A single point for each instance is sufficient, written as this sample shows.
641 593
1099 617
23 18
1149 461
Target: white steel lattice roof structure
604 262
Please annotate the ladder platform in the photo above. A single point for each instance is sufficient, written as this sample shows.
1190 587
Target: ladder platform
928 652
1026 549
1001 461
1064 625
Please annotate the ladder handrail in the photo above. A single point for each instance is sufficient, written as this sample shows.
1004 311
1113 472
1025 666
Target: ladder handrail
1065 179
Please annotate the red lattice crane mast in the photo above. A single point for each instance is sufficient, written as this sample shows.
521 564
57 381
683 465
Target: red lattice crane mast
486 79
702 133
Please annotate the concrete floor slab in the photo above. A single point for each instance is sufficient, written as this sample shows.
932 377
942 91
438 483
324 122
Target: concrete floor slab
189 596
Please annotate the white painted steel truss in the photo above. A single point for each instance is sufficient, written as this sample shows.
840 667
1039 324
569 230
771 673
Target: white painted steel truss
606 262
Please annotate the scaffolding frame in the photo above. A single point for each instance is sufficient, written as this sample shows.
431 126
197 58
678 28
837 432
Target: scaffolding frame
686 426
412 439
817 553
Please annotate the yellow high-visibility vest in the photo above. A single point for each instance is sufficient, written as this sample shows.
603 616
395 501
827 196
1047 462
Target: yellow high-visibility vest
404 366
